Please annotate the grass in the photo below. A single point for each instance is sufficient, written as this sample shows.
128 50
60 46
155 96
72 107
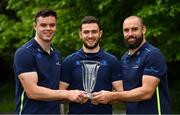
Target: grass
7 107
7 100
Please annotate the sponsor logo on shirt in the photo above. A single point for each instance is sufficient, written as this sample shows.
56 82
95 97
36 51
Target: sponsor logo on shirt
58 63
39 55
135 67
104 62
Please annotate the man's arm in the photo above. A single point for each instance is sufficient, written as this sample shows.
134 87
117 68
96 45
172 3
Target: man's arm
149 84
29 82
63 85
118 85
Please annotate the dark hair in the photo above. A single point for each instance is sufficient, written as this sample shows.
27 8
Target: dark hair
45 13
90 19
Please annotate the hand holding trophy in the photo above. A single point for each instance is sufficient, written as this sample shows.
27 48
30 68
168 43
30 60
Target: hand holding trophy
89 75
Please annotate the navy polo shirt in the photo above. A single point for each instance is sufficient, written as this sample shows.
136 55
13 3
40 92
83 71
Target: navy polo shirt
32 58
148 60
109 71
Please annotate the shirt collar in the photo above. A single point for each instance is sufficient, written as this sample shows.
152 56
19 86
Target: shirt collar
138 52
39 48
83 55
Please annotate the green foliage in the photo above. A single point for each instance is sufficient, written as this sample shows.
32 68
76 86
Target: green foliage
160 16
161 19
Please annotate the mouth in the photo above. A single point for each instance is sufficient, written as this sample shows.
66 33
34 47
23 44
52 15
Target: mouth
91 42
48 34
131 39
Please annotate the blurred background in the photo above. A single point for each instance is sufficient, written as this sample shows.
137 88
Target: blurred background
160 16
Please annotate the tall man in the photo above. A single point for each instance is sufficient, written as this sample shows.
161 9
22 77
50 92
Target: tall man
108 76
144 74
37 68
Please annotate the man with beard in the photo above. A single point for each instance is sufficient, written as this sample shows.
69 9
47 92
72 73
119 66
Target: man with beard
108 76
37 67
144 74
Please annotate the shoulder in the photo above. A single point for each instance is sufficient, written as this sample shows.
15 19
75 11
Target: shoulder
152 50
109 55
71 56
149 48
110 58
69 61
25 52
153 54
24 49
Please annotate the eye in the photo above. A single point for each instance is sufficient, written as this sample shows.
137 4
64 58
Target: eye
126 30
43 25
86 32
135 29
52 25
94 31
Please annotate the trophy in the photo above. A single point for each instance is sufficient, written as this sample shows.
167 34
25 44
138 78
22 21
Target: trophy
89 75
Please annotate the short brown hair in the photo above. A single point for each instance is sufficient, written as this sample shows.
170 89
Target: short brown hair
90 19
45 13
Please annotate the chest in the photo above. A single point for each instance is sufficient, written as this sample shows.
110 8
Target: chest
132 70
48 66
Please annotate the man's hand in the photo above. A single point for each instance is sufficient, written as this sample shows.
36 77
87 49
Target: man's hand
77 96
103 97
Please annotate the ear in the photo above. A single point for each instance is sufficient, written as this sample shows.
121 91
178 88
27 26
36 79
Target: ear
101 32
144 29
80 34
34 25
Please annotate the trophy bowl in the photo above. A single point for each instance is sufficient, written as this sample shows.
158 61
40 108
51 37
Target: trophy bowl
89 75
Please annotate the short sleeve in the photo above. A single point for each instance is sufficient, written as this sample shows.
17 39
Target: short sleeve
155 64
23 61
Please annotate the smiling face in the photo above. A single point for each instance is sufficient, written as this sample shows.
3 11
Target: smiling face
133 31
45 28
90 35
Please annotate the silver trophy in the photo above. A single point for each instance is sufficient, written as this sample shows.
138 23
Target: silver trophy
89 75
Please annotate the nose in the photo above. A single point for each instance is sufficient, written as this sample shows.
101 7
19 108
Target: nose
129 33
90 34
48 27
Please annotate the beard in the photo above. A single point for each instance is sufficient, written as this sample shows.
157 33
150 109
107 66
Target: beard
136 43
90 47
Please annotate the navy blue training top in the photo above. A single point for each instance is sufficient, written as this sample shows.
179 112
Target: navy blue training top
109 71
32 58
148 60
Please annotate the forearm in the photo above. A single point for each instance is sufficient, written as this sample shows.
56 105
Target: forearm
137 94
144 92
46 94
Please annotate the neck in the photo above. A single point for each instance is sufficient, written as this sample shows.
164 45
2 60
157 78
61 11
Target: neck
94 50
132 51
46 46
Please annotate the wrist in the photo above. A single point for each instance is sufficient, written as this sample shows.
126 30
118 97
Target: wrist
67 95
